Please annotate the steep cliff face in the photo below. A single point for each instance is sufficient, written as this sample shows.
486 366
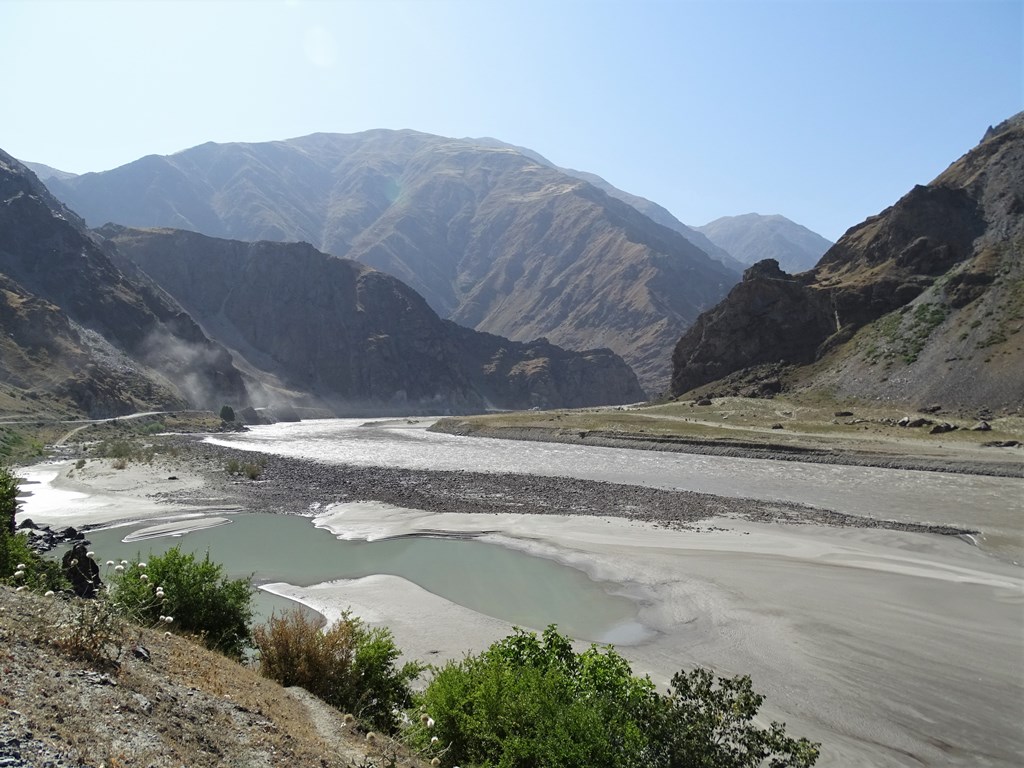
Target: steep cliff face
923 302
77 327
491 236
357 339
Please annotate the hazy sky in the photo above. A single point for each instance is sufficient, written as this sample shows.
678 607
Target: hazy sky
824 111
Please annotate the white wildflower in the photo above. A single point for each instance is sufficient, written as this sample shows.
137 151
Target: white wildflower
110 562
168 619
143 577
18 574
90 553
119 569
434 739
19 589
142 566
19 567
124 562
48 593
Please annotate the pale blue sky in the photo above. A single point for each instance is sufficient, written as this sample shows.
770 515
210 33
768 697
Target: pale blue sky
823 111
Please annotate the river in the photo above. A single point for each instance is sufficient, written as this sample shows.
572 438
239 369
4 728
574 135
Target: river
992 505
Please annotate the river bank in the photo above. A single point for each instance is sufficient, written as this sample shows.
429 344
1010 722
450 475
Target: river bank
1004 461
892 646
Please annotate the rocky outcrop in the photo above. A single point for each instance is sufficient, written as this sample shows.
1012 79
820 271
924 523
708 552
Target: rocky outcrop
768 317
922 303
356 339
78 330
492 236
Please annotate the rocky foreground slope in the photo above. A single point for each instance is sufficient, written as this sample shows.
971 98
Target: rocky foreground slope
184 706
493 238
922 303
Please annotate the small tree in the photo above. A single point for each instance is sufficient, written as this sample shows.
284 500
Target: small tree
227 413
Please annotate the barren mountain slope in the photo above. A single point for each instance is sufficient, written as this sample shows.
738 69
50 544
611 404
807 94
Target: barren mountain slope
490 236
80 333
752 238
923 302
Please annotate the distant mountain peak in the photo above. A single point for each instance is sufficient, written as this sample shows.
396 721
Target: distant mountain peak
753 237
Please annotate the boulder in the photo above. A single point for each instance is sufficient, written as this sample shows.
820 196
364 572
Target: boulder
981 426
82 571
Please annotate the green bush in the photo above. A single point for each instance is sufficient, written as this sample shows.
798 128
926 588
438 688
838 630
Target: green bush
707 724
348 665
227 413
35 573
527 702
198 598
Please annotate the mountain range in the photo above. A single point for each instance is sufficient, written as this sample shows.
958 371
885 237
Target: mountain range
494 238
88 330
922 303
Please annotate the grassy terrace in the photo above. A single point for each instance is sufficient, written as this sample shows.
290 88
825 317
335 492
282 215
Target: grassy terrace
789 421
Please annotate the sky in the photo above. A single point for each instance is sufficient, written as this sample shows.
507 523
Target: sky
825 111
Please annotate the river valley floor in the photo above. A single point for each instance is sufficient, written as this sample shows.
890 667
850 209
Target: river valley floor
894 644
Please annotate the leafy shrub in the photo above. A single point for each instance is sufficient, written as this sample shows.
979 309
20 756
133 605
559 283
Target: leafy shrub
198 598
529 701
19 565
702 723
227 413
348 665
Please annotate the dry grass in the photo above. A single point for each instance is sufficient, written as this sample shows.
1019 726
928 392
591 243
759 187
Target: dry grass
799 421
187 706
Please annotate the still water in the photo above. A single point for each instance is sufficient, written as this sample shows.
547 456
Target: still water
522 589
992 505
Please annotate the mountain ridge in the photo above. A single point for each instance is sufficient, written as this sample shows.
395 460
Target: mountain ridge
489 236
356 339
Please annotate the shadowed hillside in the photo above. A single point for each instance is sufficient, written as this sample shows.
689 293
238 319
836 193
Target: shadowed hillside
358 340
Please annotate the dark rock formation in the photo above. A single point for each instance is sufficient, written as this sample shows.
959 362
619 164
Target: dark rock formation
356 339
82 571
923 302
768 317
